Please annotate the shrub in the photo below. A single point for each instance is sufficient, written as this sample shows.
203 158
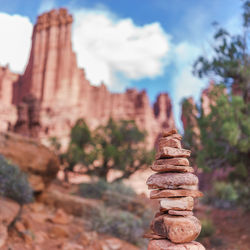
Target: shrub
121 214
225 191
118 223
14 183
96 190
207 229
223 195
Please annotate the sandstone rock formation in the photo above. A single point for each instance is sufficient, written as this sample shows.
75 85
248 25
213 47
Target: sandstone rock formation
174 227
28 122
54 80
8 114
8 212
36 160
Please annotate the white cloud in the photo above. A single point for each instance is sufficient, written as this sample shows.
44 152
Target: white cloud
15 41
107 47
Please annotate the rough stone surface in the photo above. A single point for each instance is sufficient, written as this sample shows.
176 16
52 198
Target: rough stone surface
168 245
3 235
28 122
182 229
8 211
178 229
52 76
8 114
168 142
173 161
179 203
71 204
171 180
31 157
166 133
172 152
156 194
180 213
172 168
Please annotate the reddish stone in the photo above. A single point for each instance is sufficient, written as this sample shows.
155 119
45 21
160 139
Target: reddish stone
156 194
172 142
166 244
182 229
173 161
166 133
177 229
172 180
172 152
171 168
180 213
152 235
177 203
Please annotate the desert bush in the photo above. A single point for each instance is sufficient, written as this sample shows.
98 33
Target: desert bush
14 183
223 195
225 191
243 195
208 228
118 223
121 214
96 190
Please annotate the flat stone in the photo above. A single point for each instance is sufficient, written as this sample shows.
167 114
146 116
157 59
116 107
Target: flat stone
172 152
173 161
172 168
169 142
164 244
152 235
166 133
178 229
172 181
156 194
179 203
180 213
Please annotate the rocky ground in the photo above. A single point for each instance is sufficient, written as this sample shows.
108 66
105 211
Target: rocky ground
42 225
57 221
232 231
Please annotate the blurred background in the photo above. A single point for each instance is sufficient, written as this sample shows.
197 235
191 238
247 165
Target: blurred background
86 87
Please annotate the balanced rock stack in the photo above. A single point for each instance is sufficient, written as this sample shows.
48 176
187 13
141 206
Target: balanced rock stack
174 226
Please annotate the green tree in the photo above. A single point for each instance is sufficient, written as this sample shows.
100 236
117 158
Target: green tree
230 63
225 131
117 145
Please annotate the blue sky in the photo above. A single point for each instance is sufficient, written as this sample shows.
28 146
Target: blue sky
155 41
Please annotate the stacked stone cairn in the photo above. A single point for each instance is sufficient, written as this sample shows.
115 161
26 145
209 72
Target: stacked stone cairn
175 186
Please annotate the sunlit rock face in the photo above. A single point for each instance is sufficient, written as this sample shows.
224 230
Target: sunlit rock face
8 113
63 93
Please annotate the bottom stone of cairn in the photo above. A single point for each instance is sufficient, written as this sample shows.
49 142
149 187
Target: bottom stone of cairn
175 186
164 244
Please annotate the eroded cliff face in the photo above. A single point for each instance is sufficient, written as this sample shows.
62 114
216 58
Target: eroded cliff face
8 113
54 81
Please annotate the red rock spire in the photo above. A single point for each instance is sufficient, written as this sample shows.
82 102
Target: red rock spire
52 63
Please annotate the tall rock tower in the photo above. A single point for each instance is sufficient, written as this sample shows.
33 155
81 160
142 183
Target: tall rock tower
52 65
